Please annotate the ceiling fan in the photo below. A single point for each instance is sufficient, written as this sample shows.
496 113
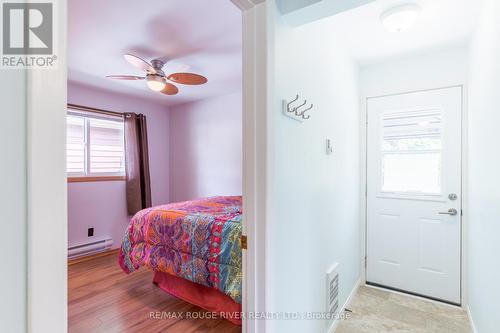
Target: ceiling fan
156 78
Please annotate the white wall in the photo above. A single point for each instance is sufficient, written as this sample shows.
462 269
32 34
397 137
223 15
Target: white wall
13 201
427 71
484 172
102 205
316 218
206 148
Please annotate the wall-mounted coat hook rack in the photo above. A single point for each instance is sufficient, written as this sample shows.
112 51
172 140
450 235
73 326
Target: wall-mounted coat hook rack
295 112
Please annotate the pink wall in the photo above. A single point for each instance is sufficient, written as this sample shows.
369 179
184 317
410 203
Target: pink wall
205 148
102 205
194 150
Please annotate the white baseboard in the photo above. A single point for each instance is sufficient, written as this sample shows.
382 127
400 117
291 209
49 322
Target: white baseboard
471 320
336 322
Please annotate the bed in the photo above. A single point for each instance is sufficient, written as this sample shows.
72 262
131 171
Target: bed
194 249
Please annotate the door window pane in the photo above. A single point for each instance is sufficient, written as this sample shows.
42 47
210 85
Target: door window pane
412 151
419 172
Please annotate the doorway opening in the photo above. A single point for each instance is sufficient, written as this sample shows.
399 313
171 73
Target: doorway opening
155 168
47 177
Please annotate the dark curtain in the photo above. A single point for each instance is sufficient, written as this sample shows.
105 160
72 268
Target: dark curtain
137 163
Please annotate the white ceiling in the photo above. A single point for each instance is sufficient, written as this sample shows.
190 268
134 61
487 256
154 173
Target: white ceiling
442 24
199 36
205 37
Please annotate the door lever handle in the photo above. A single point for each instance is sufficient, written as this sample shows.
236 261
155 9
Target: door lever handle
451 211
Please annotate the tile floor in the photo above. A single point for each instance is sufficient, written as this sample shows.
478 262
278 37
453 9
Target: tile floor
375 310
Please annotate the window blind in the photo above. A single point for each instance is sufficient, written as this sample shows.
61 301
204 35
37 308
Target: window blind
95 144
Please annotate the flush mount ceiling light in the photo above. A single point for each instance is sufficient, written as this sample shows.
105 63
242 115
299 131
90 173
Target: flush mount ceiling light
400 18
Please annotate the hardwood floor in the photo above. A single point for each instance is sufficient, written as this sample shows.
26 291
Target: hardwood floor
102 298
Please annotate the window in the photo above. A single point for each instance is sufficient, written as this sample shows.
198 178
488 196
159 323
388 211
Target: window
95 145
412 152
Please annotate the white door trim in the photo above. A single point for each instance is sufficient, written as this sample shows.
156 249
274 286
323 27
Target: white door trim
363 161
46 188
46 178
255 86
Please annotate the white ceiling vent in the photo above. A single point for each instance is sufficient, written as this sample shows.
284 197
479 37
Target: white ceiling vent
332 292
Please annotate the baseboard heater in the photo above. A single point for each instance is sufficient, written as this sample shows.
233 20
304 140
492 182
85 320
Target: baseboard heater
90 248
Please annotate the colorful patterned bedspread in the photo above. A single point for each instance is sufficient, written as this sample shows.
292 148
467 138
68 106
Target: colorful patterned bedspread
196 240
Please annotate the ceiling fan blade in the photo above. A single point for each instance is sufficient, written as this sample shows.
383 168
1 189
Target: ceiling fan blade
170 89
187 78
125 77
139 63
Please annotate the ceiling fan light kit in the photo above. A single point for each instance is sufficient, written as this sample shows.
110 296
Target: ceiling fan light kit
156 79
155 82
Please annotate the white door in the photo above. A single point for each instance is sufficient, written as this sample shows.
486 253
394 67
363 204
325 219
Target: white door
414 192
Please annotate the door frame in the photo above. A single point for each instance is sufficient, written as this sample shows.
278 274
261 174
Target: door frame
464 198
47 183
